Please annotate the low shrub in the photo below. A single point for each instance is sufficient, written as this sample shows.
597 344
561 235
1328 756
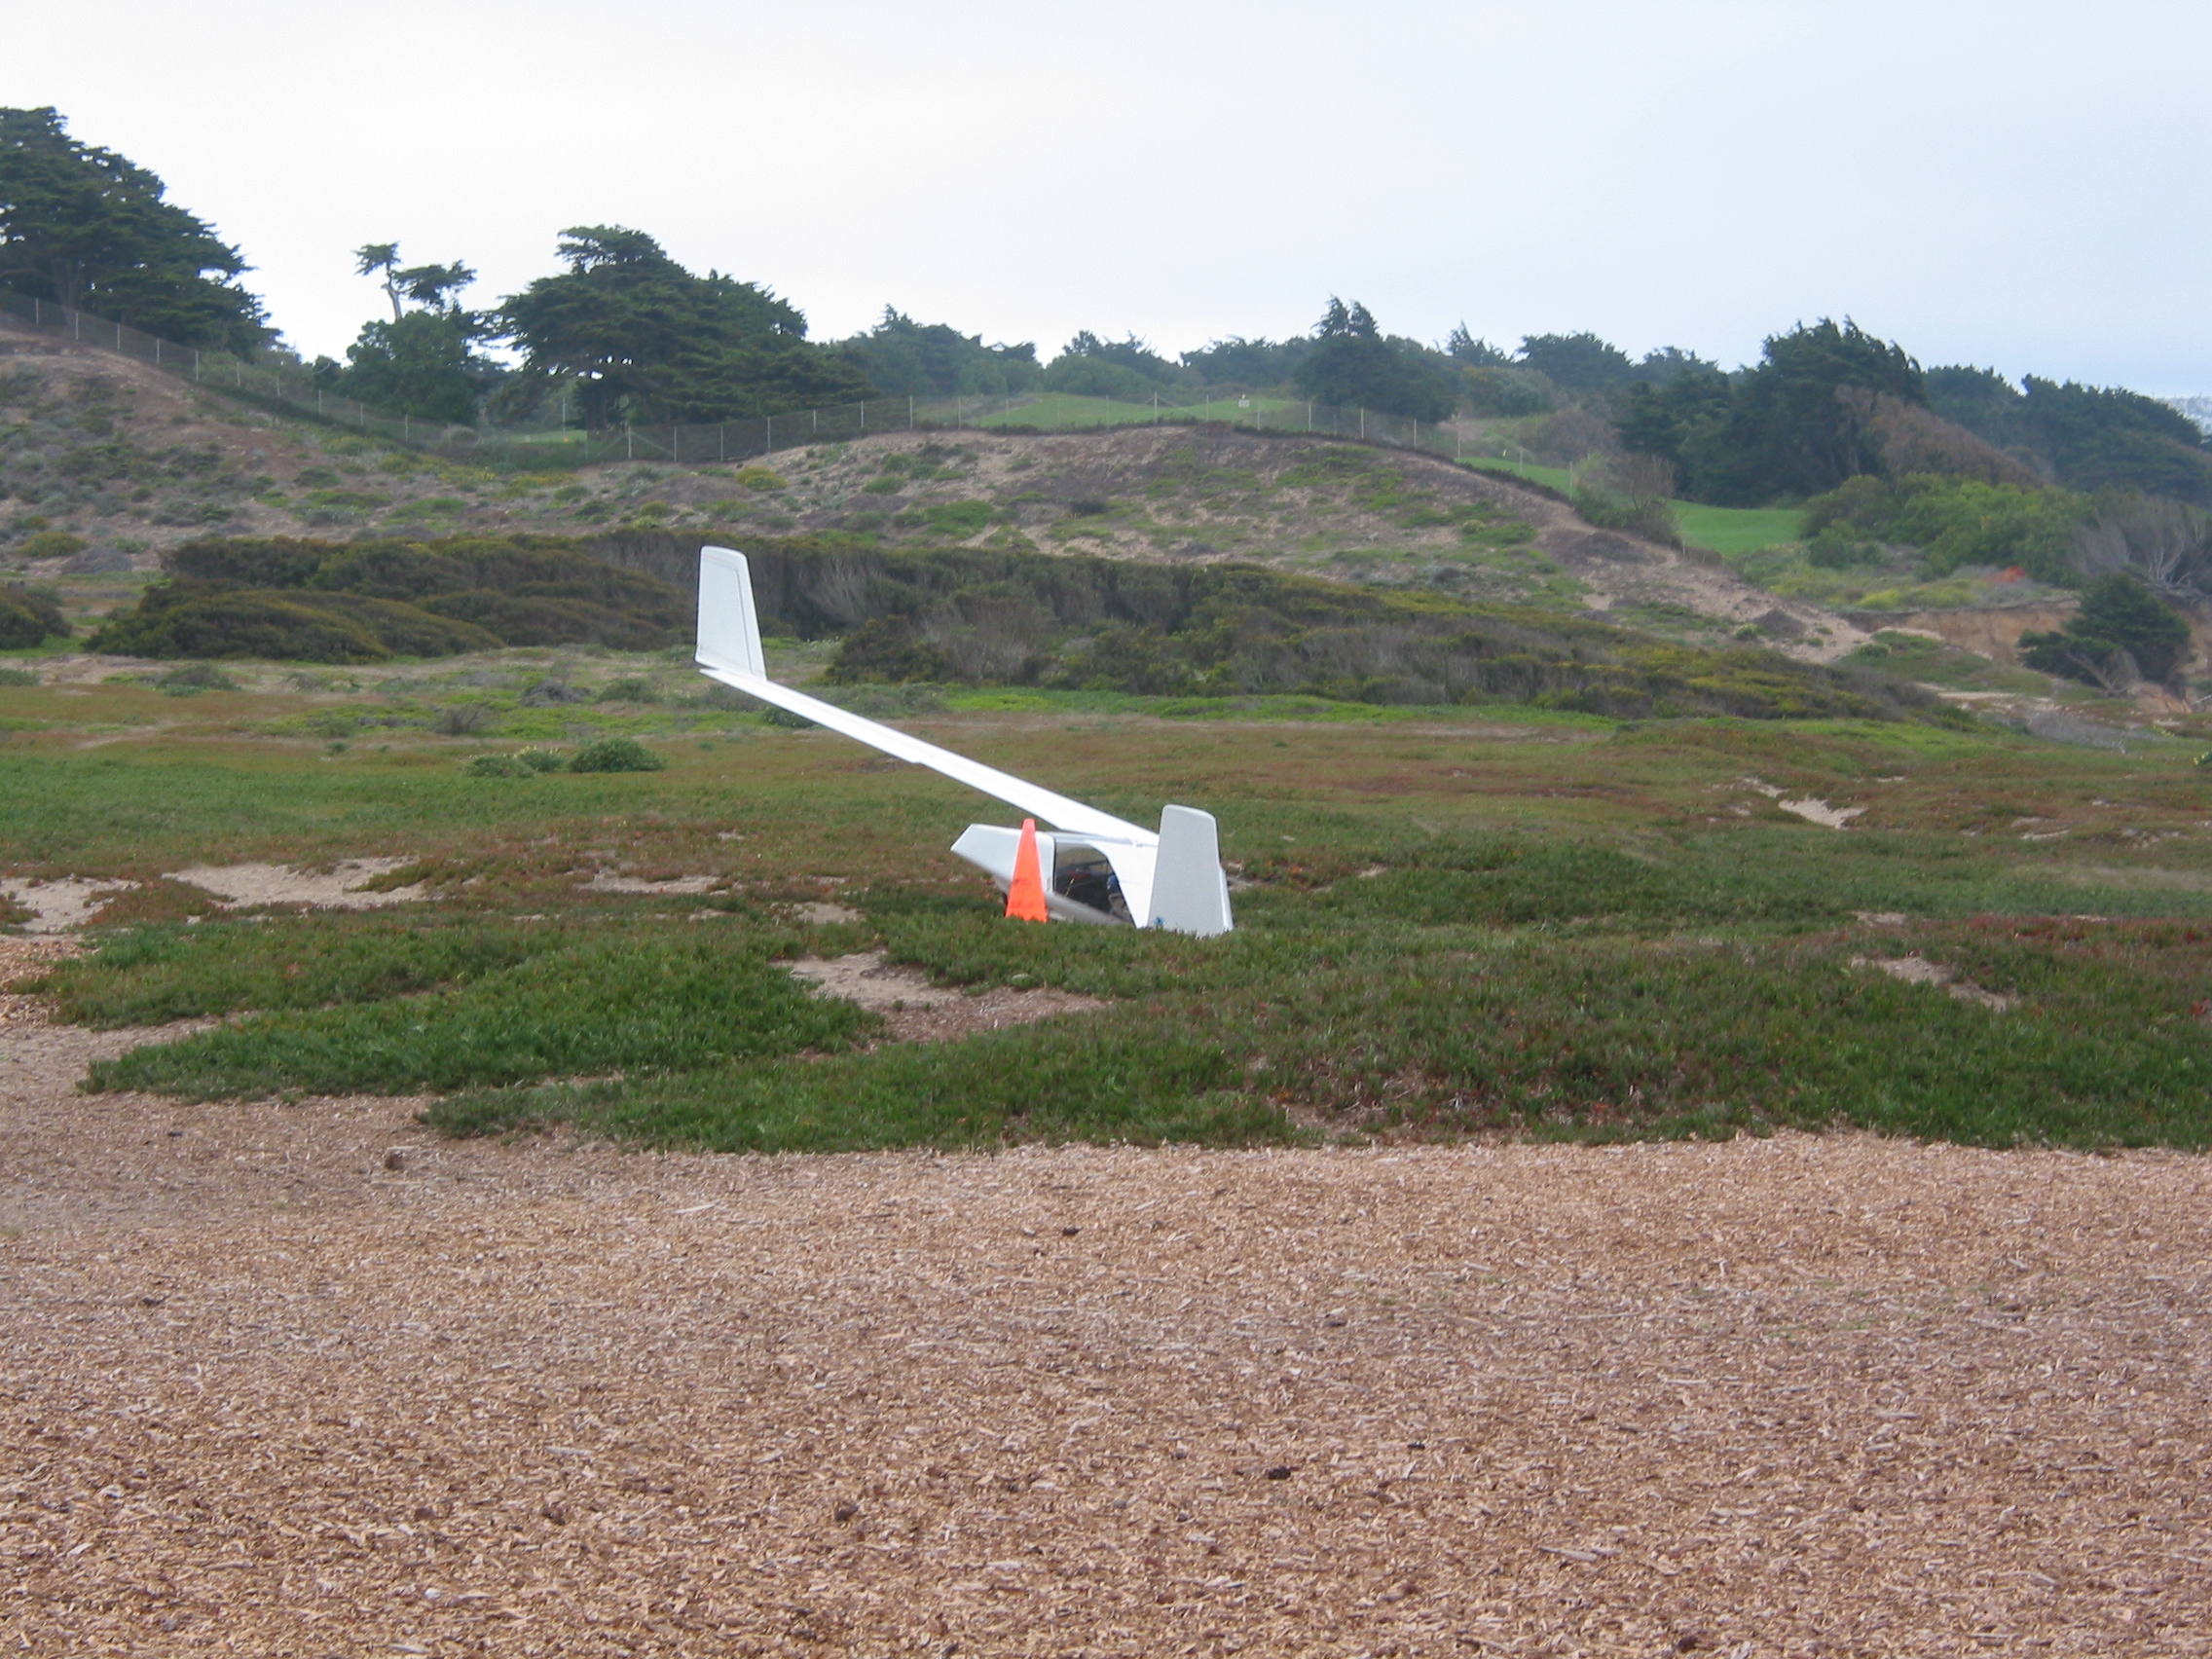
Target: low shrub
495 766
27 617
462 720
615 754
539 760
200 677
356 601
189 621
52 544
1956 521
762 478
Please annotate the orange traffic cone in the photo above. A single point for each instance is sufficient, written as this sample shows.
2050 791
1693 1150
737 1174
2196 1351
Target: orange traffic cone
1025 899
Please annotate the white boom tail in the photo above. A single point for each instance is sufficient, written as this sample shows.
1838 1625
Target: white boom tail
1172 879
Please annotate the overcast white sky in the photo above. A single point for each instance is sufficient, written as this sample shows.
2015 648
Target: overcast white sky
2021 185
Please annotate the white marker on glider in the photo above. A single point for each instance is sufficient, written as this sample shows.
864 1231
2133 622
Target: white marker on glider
1170 879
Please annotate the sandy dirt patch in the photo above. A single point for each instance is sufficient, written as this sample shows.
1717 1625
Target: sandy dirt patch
918 1011
607 882
302 1380
64 904
1810 808
340 887
41 1063
821 913
1915 969
1813 810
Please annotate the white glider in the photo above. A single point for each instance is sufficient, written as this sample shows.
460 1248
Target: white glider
1173 880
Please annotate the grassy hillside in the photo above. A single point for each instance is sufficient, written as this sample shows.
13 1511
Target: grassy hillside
125 463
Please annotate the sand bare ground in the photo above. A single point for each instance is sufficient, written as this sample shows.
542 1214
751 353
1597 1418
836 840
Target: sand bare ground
301 1379
61 905
917 1011
344 886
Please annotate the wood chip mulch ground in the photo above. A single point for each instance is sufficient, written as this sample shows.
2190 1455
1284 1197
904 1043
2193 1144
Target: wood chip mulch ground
301 1380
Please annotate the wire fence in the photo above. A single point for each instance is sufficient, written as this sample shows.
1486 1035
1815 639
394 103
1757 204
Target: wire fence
285 383
266 380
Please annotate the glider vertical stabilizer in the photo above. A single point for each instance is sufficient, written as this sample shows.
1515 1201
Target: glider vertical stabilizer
1173 880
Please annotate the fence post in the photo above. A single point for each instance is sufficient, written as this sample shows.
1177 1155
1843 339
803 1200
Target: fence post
196 365
817 415
628 443
721 443
864 419
1363 420
157 350
768 444
910 412
674 442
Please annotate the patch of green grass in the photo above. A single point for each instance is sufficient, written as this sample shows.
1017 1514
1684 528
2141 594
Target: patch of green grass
151 975
1726 530
1438 1033
1457 921
1056 1081
993 699
590 1008
1738 529
1054 411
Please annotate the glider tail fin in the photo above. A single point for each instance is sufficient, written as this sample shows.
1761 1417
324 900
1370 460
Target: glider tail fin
729 627
1190 893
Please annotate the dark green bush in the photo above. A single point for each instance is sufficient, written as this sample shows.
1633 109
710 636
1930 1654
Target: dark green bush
199 678
197 622
52 544
615 754
526 619
2121 623
1954 522
27 617
354 601
1835 549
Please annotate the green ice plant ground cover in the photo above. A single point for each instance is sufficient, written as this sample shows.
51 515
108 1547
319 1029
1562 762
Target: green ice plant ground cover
1466 925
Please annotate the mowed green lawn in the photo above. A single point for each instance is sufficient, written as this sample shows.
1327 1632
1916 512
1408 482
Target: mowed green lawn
1717 530
1054 411
1466 923
1738 529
